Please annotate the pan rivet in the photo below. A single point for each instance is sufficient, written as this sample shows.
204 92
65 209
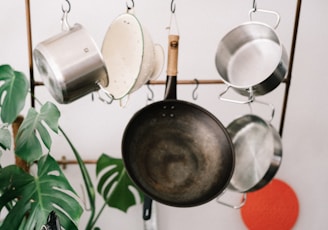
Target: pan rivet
172 107
171 115
163 115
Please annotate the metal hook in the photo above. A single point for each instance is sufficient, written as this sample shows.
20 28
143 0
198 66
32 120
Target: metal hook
173 7
129 7
69 7
194 94
151 97
173 27
64 20
254 5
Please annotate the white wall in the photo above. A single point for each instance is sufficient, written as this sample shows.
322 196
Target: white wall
96 128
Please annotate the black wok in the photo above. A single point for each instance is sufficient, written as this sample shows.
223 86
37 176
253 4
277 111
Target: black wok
176 152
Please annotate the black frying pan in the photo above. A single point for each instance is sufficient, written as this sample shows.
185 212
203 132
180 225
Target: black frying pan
176 152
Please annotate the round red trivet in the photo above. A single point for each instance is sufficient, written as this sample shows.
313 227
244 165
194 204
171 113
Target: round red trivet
274 207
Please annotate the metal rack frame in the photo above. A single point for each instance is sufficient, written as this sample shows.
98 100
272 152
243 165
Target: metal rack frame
287 80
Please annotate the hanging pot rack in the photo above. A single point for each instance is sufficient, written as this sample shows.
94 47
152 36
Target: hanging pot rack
287 80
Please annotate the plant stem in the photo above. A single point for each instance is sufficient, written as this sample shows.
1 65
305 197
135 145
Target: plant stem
87 181
98 215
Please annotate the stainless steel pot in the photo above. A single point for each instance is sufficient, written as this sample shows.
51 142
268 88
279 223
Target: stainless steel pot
258 152
251 57
70 64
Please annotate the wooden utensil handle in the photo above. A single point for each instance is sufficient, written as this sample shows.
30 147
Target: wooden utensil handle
172 60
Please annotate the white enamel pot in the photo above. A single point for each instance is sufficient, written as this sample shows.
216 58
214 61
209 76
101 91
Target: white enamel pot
130 55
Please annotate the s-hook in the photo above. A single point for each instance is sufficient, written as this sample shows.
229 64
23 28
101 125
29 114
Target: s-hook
172 6
194 94
64 19
129 7
173 27
151 96
68 9
254 6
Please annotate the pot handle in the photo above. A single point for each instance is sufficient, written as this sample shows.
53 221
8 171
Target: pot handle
254 10
238 206
109 97
250 98
269 105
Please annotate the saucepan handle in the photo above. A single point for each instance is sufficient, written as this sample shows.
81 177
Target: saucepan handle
234 206
250 98
254 10
272 108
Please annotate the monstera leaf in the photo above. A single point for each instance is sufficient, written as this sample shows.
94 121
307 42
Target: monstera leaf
13 91
114 184
35 197
28 145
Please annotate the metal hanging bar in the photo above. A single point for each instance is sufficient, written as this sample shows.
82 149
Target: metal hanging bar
30 55
287 80
290 68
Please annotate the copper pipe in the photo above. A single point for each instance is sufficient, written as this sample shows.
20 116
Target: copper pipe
29 45
64 162
290 68
186 82
190 82
179 82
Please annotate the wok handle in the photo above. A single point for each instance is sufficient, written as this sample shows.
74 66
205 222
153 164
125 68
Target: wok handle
172 59
172 67
147 205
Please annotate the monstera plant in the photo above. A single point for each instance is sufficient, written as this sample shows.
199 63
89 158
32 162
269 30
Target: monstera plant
28 196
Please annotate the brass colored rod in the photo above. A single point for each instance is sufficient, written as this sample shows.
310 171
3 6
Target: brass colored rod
187 82
179 82
194 81
64 162
29 45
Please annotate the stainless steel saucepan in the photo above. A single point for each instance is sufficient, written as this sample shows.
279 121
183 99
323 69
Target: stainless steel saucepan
252 57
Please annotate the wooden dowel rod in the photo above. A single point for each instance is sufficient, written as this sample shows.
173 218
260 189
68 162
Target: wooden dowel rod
64 162
72 162
29 46
180 82
187 82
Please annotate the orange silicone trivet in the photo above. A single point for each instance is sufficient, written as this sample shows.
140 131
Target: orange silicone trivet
274 207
